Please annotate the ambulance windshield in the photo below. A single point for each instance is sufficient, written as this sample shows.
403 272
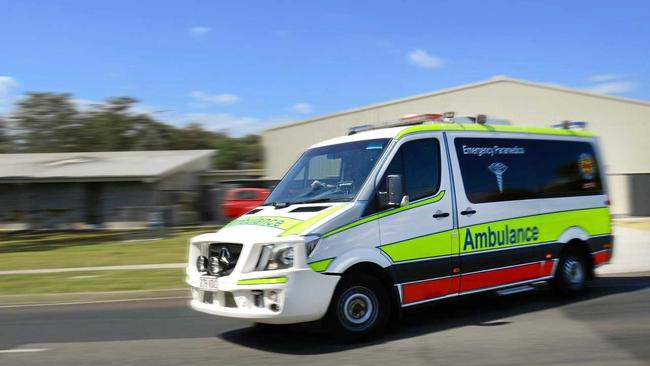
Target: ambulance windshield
329 173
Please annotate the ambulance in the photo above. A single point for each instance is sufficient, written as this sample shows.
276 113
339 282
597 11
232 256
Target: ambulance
395 215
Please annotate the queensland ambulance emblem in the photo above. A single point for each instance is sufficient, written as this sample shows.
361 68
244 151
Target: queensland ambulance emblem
498 169
587 166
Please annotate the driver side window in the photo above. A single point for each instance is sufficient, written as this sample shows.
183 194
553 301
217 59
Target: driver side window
418 162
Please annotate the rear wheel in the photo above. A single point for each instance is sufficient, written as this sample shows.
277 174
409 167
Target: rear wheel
572 273
359 310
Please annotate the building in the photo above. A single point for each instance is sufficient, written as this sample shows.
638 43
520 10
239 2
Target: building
128 189
622 124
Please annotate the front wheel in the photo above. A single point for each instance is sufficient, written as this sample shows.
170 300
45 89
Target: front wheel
359 310
571 274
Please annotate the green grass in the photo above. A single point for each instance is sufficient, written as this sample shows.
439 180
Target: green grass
94 281
86 249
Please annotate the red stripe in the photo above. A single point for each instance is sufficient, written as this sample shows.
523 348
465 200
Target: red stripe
413 292
497 277
601 257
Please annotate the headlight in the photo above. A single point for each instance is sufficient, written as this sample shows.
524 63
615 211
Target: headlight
275 256
201 264
214 265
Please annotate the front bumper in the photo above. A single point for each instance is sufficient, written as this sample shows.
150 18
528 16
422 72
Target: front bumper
301 295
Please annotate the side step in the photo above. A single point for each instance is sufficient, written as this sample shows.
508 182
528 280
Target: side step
514 290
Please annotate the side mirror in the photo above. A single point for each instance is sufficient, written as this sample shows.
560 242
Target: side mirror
395 190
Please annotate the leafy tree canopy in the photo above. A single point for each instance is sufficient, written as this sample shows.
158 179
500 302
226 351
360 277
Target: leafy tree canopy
52 122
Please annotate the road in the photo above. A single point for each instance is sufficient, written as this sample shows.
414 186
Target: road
609 325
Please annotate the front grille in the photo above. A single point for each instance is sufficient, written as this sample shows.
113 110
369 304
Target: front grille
226 255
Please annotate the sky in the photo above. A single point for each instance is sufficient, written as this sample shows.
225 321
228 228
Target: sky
242 66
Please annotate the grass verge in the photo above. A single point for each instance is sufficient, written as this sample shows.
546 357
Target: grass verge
86 249
93 281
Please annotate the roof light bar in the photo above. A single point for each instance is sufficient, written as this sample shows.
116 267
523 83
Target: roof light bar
418 119
571 125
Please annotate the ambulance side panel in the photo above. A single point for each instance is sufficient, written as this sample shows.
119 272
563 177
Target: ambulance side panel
521 198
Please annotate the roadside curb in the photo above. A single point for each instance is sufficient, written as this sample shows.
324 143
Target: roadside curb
90 297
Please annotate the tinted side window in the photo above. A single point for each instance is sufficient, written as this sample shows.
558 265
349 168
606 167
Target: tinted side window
421 168
418 162
567 168
514 169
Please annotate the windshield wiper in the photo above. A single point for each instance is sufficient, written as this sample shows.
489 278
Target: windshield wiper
315 200
287 204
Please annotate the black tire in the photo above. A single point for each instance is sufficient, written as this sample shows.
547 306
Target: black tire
572 272
360 309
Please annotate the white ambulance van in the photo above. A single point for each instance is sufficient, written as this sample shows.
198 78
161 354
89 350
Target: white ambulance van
389 217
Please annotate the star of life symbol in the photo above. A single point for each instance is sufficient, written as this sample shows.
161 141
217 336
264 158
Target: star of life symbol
498 169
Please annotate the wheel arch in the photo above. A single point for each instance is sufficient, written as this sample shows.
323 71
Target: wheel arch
577 237
369 261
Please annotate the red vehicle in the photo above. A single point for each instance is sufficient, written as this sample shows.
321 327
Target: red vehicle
241 200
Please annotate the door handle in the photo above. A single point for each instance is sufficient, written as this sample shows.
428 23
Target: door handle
468 211
440 214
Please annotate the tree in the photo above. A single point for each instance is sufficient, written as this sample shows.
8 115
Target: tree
5 138
112 126
238 153
48 122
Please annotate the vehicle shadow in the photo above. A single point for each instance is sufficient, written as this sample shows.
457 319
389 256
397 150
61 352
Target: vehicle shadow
485 310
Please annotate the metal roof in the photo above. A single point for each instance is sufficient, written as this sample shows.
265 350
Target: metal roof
96 166
493 80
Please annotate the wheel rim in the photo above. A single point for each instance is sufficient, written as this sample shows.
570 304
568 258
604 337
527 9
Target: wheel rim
358 308
574 273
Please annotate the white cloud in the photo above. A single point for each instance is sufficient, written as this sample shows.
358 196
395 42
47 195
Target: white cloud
614 87
423 59
600 78
610 84
303 108
228 123
204 97
86 104
6 84
234 125
199 31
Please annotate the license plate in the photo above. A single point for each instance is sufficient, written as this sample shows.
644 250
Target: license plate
208 283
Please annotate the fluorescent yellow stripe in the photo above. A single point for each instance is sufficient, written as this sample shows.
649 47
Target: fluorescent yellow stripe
302 226
321 266
491 128
427 201
434 245
263 281
595 221
277 222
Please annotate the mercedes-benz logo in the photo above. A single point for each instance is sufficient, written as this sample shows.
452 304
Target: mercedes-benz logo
224 258
221 261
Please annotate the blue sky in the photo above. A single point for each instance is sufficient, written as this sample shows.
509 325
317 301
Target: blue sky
242 66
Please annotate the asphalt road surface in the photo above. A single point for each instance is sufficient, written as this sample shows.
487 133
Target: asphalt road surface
610 325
